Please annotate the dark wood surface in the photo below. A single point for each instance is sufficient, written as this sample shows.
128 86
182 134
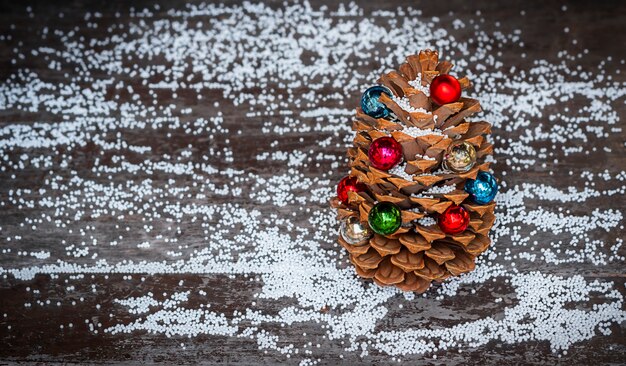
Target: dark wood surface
35 335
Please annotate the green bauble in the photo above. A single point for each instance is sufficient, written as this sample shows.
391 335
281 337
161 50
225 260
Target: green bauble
385 218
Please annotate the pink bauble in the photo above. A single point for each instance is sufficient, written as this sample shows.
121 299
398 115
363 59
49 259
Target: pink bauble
385 153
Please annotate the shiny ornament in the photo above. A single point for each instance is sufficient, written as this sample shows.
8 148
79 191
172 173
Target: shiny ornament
346 185
354 232
385 153
445 89
460 157
454 220
483 189
385 218
371 105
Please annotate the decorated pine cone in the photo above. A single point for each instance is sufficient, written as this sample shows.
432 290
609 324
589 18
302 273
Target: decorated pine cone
418 204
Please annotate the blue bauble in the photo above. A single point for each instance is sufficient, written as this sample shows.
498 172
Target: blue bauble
370 103
482 189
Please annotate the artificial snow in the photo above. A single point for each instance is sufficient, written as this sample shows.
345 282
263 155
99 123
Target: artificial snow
265 217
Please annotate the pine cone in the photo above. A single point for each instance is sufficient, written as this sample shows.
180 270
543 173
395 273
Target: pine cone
419 252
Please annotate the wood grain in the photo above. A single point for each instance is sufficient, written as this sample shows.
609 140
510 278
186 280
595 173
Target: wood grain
599 27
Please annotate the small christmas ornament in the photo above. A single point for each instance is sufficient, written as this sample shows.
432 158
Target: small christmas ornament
385 218
385 153
460 157
346 185
445 89
454 220
370 103
483 189
354 232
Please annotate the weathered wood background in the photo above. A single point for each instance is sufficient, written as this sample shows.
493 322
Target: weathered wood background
35 335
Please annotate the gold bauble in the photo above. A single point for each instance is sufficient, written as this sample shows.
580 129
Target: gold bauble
460 157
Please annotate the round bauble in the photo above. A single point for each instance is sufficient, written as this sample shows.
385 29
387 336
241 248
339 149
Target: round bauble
354 232
385 153
483 189
349 184
371 105
385 218
460 157
454 220
445 89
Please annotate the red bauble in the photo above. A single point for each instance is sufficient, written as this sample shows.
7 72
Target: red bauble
385 153
346 185
454 220
445 89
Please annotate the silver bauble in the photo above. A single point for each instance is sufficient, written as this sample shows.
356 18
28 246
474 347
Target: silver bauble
354 232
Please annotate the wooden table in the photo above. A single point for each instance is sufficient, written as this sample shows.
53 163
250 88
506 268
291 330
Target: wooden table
35 335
